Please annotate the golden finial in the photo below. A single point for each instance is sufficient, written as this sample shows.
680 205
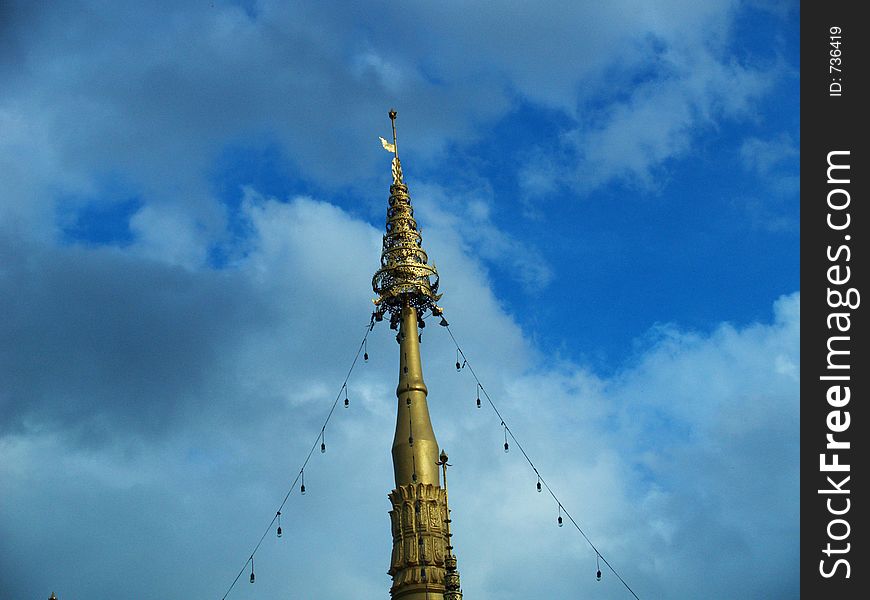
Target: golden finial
405 276
394 148
393 114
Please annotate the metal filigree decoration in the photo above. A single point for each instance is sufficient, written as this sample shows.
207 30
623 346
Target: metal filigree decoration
405 276
419 537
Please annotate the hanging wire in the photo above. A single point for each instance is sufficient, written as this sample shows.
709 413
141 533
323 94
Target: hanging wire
300 474
280 531
597 567
543 482
323 440
507 431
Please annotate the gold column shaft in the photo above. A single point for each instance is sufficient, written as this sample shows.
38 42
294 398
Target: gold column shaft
419 504
415 449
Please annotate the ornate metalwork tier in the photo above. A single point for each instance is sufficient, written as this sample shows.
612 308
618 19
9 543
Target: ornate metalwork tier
405 276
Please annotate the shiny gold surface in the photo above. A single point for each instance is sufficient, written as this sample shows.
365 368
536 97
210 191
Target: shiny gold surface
422 564
415 449
405 276
419 542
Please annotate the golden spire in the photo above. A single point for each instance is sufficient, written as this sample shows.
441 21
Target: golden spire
405 276
422 564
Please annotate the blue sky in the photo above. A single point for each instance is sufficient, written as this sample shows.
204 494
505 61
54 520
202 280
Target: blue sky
193 200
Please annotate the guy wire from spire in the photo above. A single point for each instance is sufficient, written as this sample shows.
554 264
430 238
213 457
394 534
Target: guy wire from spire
343 388
531 464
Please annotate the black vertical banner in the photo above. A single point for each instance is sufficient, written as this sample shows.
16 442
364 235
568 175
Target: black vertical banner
835 371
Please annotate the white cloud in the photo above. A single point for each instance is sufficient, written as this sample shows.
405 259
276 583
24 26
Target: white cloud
155 410
170 236
775 164
764 156
222 380
692 91
156 96
467 223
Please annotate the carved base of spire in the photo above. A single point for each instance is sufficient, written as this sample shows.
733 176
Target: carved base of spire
418 564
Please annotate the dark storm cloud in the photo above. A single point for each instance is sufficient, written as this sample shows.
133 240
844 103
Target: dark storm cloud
97 341
100 341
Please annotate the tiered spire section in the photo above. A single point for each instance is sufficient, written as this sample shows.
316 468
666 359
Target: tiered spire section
405 276
422 565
